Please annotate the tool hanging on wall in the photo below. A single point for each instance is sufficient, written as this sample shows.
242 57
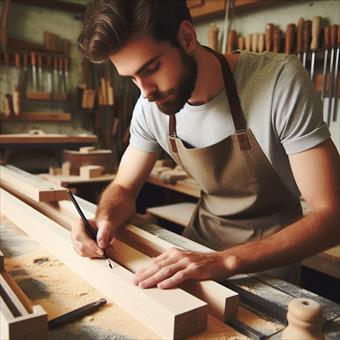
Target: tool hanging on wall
232 40
332 75
8 99
269 37
228 20
336 79
316 26
277 40
306 40
299 37
16 93
34 72
326 46
290 38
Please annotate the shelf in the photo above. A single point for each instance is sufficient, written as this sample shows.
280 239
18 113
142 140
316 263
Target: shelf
39 117
55 4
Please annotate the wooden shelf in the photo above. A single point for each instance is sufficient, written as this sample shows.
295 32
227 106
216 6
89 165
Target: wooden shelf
38 117
55 4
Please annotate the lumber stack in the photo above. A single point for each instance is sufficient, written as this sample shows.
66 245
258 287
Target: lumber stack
19 319
174 313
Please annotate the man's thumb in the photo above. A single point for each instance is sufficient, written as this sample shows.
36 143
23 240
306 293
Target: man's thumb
104 233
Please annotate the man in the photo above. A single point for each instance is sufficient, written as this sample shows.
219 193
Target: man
253 146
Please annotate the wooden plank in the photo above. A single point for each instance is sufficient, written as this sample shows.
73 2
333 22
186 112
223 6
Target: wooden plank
222 302
90 171
28 138
179 213
66 181
33 186
171 313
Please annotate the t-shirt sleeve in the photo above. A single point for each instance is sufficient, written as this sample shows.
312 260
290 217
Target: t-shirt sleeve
297 109
141 136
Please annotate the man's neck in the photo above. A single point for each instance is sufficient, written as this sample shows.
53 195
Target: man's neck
209 81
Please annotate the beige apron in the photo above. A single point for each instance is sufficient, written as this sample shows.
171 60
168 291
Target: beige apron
242 197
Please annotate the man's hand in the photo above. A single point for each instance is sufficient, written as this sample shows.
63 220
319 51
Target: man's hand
175 266
83 244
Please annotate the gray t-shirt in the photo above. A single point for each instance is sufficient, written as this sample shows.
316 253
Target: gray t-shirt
280 105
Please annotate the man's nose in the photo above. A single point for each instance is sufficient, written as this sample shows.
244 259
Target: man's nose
147 87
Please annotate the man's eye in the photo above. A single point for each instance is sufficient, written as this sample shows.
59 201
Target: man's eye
151 69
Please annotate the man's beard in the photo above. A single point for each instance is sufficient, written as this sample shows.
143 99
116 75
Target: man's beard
183 90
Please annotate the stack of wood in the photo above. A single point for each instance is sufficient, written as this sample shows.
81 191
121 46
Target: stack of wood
167 173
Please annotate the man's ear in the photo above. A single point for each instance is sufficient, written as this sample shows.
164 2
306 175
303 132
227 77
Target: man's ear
187 36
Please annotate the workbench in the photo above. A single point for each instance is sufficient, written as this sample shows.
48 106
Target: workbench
48 282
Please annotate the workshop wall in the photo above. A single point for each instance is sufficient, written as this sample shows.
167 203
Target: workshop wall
29 23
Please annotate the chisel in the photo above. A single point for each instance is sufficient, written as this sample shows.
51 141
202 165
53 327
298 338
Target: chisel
16 93
306 40
241 43
90 230
34 74
232 36
316 22
334 33
337 79
277 40
260 42
299 37
66 69
76 314
248 42
254 42
40 76
326 46
289 38
49 75
269 37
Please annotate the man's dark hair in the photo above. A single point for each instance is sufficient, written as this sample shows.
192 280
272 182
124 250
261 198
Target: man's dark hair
110 24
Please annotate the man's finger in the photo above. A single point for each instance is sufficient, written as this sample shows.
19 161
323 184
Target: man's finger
105 233
175 280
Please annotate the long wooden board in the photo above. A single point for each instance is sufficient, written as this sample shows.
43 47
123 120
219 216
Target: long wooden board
173 313
33 186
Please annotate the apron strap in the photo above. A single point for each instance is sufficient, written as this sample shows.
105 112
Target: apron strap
172 132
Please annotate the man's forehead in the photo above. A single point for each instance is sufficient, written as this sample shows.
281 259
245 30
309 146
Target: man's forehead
135 53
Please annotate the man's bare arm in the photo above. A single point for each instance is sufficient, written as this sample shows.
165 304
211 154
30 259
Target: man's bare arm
317 174
117 203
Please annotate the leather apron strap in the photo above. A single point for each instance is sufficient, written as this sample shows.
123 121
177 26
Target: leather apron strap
234 103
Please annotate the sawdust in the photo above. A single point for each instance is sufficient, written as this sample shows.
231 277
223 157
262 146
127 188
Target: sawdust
252 320
62 291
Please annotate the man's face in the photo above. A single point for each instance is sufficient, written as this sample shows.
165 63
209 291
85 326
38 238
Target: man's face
165 74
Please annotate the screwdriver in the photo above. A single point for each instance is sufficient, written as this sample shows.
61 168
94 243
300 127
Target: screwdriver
90 230
315 42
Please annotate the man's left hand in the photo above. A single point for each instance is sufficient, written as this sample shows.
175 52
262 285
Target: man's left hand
175 266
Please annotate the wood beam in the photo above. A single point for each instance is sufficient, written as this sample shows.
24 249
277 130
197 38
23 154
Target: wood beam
33 186
173 313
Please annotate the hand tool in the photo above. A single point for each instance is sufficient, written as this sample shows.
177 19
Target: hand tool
3 25
248 42
49 74
8 99
269 37
241 43
326 46
34 74
75 314
290 38
332 74
66 70
90 230
277 40
306 40
299 37
40 75
254 42
334 33
232 38
55 78
316 22
16 93
336 79
260 42
213 36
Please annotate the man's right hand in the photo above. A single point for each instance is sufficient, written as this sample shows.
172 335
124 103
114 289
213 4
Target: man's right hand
84 245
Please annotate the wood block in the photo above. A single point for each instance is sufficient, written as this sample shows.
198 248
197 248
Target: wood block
66 169
33 186
172 176
87 149
91 171
54 171
19 319
172 313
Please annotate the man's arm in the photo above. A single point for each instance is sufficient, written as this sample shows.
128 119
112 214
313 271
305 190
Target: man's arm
317 173
117 203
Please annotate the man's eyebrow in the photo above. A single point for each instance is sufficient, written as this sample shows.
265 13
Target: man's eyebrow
143 67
